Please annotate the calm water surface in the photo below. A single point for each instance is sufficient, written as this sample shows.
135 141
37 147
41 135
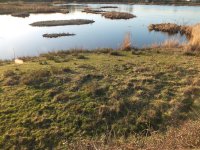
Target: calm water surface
17 36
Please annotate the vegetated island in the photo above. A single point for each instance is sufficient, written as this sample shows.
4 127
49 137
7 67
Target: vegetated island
118 15
171 28
62 22
56 35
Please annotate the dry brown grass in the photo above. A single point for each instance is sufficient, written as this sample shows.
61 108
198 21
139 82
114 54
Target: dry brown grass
169 43
126 44
9 8
191 32
165 27
171 28
118 15
194 42
187 136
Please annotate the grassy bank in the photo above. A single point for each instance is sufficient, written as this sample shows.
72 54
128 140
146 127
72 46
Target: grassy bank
64 99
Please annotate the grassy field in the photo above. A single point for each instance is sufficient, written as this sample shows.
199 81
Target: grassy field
61 100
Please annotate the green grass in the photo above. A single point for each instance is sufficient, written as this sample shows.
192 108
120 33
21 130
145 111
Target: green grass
61 97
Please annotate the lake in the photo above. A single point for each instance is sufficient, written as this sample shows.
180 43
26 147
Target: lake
19 38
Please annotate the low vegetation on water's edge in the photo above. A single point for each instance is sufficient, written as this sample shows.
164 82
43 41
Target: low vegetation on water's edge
61 100
192 33
61 22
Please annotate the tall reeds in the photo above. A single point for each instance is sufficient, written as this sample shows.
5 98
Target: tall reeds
126 44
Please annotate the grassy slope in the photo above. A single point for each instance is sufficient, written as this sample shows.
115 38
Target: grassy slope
58 97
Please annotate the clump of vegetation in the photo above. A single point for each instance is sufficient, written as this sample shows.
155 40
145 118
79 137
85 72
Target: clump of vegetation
118 15
194 42
126 44
56 35
171 28
136 98
115 53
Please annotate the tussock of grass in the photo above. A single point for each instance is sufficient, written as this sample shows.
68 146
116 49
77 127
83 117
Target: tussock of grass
126 44
135 98
194 42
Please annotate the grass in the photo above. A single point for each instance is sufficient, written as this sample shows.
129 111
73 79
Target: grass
185 137
101 99
126 44
169 43
194 42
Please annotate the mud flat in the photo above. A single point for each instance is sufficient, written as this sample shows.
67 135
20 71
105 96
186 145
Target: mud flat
61 22
56 35
118 15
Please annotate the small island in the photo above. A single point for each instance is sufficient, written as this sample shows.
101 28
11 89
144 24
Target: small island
56 35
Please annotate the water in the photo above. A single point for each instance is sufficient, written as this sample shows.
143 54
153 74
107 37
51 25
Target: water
17 36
